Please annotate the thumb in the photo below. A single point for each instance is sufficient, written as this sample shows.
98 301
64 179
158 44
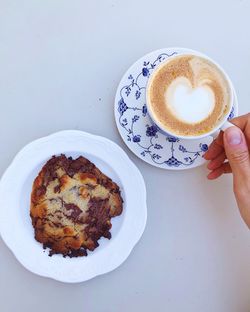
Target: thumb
237 153
238 156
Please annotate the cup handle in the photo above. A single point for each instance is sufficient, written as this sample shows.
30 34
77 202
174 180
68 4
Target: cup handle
226 125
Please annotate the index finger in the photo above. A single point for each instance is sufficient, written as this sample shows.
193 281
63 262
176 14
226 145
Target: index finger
215 148
241 121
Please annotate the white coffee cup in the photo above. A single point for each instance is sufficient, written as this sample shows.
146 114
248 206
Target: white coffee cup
222 125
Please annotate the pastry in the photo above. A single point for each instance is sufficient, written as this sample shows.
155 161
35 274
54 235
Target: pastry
72 203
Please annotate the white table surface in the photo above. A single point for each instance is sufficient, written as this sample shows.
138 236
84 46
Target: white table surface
60 64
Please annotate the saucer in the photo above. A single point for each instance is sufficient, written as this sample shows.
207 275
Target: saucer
15 222
138 131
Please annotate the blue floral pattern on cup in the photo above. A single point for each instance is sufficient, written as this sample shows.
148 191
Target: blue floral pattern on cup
137 127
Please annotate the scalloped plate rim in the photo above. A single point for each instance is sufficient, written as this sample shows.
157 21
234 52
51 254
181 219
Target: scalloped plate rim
137 236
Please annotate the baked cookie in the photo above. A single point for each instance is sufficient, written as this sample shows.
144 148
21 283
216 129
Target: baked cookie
72 203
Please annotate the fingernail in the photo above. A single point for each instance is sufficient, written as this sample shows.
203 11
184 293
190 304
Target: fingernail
204 155
233 136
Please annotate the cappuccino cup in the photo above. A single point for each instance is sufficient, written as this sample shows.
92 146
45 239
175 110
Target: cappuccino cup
189 96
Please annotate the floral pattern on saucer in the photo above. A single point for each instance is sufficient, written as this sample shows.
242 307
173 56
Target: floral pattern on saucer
138 131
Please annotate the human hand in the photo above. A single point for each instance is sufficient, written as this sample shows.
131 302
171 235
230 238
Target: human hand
229 152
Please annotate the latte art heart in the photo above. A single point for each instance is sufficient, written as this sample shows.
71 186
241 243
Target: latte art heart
191 105
188 95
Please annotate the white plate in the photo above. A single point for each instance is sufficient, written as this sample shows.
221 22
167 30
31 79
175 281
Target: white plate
137 129
15 223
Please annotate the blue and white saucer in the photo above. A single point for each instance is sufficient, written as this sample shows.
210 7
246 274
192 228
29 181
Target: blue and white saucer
140 133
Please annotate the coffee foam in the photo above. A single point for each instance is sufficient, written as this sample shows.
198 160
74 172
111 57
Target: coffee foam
188 104
188 95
